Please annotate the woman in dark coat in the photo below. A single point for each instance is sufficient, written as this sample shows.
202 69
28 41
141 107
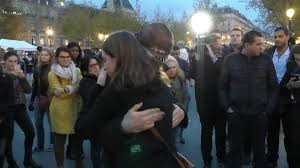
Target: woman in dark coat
135 78
290 87
90 68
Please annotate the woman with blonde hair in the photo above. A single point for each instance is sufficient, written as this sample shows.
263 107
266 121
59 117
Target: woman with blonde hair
40 91
64 80
176 75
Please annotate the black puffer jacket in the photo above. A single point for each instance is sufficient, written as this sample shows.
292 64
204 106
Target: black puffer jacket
248 85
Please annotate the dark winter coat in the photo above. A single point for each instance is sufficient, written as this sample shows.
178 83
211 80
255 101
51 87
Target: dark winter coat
132 150
248 85
40 82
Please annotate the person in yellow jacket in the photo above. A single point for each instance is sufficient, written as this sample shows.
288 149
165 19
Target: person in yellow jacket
64 80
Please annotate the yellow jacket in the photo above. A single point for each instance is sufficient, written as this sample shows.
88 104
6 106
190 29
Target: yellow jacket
64 108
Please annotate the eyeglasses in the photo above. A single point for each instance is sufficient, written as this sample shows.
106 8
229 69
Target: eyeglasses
64 57
93 65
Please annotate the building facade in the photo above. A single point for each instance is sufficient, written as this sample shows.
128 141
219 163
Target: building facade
41 21
231 18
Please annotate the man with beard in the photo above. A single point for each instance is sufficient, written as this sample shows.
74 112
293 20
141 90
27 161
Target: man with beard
280 55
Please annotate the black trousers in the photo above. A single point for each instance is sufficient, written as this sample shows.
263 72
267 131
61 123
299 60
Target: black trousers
292 138
20 115
211 118
256 126
278 116
4 131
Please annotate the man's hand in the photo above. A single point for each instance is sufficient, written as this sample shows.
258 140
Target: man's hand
178 115
293 84
230 110
211 53
137 121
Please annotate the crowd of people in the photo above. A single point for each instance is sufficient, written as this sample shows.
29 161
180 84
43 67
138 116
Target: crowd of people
131 100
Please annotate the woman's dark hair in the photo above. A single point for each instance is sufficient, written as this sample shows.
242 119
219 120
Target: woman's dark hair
9 54
72 45
61 49
88 52
135 66
85 62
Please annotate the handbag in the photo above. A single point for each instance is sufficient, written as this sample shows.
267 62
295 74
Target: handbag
44 102
181 160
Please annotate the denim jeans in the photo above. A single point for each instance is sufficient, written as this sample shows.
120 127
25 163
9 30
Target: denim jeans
39 125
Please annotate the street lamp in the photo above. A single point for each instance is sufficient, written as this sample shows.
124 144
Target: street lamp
290 13
62 4
101 36
201 23
49 32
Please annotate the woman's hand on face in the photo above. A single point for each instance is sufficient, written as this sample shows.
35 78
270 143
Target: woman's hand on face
137 121
102 77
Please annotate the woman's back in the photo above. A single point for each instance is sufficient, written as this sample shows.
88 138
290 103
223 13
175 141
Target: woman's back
142 149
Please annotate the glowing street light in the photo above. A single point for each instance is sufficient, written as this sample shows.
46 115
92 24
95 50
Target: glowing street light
201 23
101 36
290 13
49 32
62 4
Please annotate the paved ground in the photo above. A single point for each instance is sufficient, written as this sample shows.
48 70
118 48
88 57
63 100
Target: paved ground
191 149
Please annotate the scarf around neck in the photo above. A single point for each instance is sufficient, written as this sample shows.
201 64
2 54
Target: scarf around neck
65 73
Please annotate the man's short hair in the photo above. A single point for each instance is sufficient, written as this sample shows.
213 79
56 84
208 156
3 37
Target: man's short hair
237 29
284 29
156 35
250 36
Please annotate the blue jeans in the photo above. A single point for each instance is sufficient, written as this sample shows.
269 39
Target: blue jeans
39 126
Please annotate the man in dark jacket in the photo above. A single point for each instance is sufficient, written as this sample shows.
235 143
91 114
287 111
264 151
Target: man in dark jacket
280 54
247 89
211 115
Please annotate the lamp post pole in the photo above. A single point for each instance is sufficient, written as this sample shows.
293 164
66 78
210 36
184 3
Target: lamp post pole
290 13
201 30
